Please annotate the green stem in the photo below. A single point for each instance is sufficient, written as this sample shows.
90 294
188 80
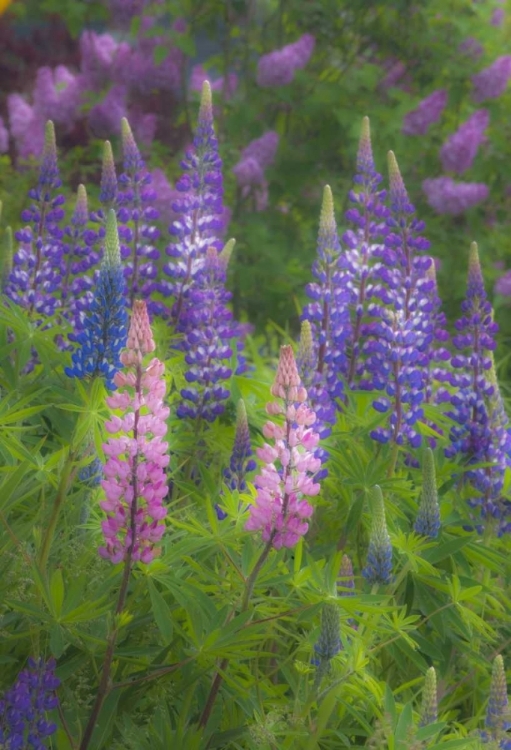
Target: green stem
62 489
249 588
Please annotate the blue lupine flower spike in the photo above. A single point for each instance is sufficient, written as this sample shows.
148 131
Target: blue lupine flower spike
497 713
329 642
428 516
378 569
104 331
241 462
429 710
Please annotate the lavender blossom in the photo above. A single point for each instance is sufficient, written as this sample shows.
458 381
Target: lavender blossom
105 117
278 67
23 721
240 463
491 82
4 137
37 265
503 285
378 569
427 112
249 170
458 152
26 126
104 332
428 518
98 52
448 197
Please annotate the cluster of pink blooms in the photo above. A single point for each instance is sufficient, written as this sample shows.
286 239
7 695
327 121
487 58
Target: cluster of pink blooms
446 196
459 150
249 171
135 482
491 82
279 510
278 68
428 111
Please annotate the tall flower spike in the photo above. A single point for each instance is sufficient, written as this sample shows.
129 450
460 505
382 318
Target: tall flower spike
23 721
108 187
135 483
329 642
378 567
135 213
497 713
429 710
37 270
241 462
103 333
200 213
279 510
6 258
428 517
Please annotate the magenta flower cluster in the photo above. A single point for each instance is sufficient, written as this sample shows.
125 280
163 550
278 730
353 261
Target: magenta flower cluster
286 478
135 483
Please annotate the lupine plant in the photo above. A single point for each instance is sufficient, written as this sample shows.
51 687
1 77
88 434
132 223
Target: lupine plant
309 550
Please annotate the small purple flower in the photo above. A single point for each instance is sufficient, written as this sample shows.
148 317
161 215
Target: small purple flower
278 67
427 112
458 152
448 197
491 82
503 285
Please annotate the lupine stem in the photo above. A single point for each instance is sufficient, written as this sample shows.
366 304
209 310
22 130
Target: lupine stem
59 499
249 588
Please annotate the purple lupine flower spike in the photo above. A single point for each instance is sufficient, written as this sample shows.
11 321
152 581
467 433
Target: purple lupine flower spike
364 248
200 223
241 462
378 567
23 708
481 431
427 522
498 716
135 214
328 318
6 257
38 264
108 187
207 342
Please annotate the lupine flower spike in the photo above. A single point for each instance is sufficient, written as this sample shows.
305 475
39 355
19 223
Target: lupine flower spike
135 482
103 335
428 517
497 714
378 567
6 258
346 583
329 642
38 264
429 710
279 510
23 707
241 462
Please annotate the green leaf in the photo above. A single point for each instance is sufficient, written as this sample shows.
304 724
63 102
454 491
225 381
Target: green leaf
162 613
57 592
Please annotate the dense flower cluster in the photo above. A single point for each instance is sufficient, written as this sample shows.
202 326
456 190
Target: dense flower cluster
249 171
278 68
427 112
101 335
458 152
23 722
449 197
491 82
279 510
135 484
378 567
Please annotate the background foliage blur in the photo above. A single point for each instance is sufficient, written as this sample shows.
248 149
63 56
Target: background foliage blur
375 58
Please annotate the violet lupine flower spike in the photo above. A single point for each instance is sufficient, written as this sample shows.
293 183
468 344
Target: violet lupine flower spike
403 331
135 482
135 212
329 642
480 434
279 510
108 186
428 517
207 342
102 335
241 462
429 709
200 210
498 716
378 569
364 249
23 707
37 265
